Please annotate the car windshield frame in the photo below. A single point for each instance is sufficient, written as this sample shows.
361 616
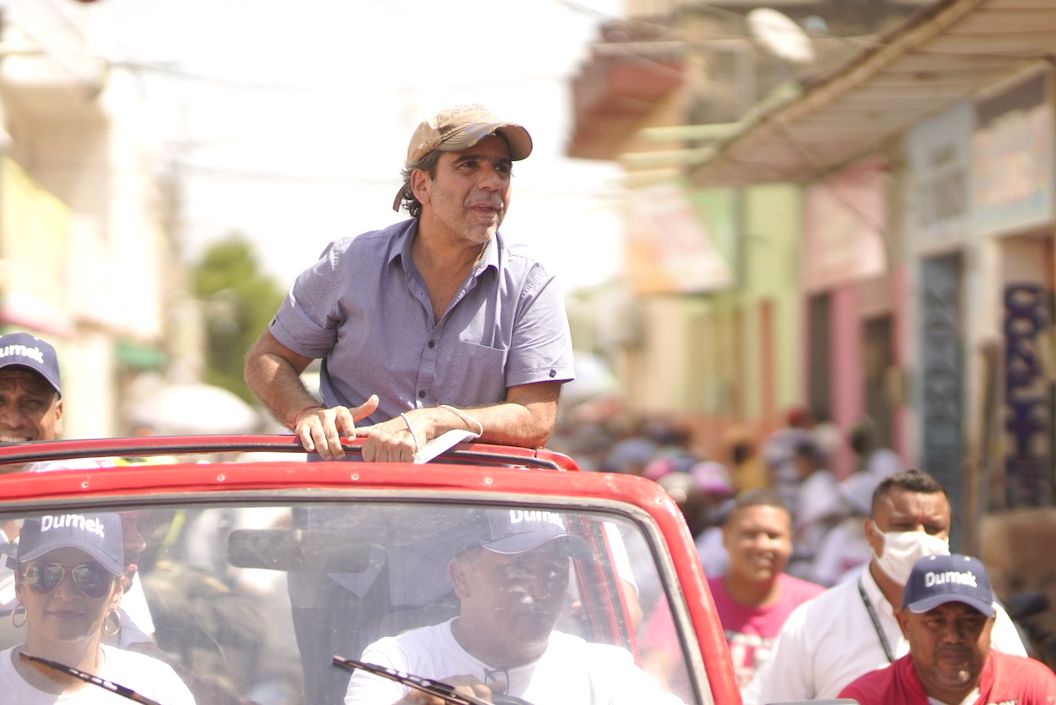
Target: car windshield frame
450 481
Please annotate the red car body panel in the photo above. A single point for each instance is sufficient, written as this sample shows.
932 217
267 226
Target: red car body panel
464 478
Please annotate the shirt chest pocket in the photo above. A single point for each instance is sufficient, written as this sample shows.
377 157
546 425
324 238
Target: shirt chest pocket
472 373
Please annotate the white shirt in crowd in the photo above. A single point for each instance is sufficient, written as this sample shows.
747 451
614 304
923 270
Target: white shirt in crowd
712 552
570 672
842 553
830 641
143 674
71 464
137 625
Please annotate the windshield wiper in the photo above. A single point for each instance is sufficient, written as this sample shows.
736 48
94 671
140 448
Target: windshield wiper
435 688
110 686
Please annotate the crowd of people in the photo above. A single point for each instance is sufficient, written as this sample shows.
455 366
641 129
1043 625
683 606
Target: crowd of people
436 324
807 563
826 504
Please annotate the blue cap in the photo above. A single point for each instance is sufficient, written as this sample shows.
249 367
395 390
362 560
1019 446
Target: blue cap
514 531
25 350
936 580
98 535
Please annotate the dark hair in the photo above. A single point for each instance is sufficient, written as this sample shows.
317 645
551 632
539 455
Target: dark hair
862 437
810 450
763 497
428 165
911 480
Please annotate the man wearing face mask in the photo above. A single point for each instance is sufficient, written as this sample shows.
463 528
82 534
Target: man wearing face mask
851 629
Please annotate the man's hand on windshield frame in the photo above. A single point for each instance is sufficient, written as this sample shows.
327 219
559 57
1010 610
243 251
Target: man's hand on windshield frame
397 440
320 430
393 441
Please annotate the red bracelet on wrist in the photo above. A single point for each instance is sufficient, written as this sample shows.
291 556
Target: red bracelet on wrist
297 417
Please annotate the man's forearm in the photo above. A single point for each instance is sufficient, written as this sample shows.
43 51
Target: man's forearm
514 424
526 418
277 383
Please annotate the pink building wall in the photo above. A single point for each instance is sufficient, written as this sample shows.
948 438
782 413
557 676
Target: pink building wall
847 393
845 223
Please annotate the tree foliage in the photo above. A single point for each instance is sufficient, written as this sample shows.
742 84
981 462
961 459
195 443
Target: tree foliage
239 300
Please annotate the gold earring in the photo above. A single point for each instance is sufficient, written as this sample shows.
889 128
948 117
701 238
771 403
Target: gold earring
25 617
112 622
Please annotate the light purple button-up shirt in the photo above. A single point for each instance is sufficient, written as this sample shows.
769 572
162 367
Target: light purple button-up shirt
363 308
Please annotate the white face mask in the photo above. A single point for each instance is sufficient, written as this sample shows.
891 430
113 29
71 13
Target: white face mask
903 548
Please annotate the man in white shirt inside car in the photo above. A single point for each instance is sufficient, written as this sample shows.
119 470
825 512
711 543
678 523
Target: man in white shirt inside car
511 582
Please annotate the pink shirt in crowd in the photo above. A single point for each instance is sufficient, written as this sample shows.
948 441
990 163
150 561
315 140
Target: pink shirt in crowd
750 630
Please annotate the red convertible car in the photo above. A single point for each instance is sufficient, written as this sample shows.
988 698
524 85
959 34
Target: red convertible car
263 577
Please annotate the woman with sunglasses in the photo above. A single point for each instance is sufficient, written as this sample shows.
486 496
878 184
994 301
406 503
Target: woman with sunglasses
69 579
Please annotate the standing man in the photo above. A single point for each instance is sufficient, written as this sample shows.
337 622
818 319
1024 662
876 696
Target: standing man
851 628
947 616
754 597
433 324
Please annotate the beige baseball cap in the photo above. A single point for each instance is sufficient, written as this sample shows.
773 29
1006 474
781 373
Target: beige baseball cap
459 128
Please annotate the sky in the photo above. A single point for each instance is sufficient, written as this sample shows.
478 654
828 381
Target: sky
289 119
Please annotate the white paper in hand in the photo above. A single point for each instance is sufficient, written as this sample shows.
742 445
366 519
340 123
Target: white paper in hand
438 445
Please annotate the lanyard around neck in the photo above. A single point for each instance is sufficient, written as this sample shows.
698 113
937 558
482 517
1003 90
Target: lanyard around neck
875 619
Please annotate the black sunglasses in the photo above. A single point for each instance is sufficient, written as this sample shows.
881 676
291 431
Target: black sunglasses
92 579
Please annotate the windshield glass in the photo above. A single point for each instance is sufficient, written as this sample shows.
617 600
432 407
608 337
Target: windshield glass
250 602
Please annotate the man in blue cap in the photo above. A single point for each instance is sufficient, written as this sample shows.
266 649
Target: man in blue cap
511 581
947 615
31 401
30 390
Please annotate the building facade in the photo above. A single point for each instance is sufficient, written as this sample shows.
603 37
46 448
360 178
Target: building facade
924 166
85 248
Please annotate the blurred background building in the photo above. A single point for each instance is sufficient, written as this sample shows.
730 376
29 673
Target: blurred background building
850 207
87 251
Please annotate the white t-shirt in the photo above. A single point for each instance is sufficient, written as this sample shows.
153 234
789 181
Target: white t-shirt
71 464
843 551
712 551
7 575
571 671
830 641
137 625
143 674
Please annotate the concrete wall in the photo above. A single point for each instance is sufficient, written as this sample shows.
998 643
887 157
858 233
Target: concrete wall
89 261
771 232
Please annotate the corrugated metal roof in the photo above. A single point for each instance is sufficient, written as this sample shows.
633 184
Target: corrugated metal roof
943 53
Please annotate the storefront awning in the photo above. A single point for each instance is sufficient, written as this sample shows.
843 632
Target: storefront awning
946 52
